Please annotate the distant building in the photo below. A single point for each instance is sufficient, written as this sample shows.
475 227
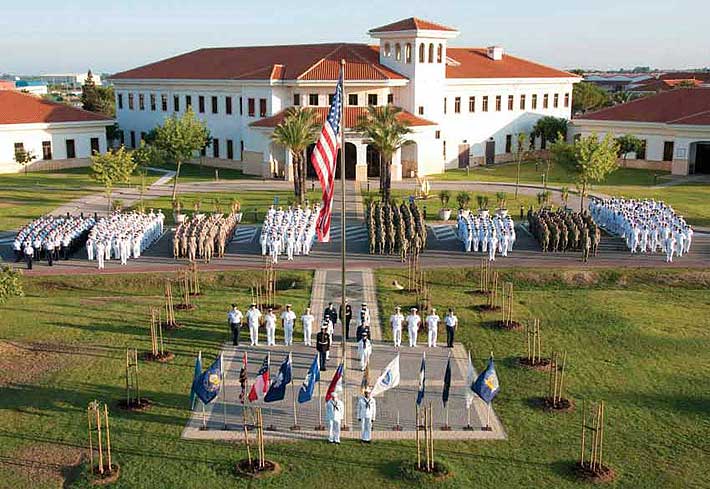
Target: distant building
616 82
69 80
34 87
675 126
59 136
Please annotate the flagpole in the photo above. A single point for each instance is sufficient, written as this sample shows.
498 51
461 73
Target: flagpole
224 391
343 240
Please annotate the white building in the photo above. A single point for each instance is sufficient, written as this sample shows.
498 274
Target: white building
674 125
58 135
70 80
464 104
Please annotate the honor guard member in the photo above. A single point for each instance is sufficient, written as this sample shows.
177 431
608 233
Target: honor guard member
432 324
334 410
413 322
270 324
396 321
362 330
234 317
364 350
288 319
323 344
366 413
29 254
451 322
307 320
364 315
330 313
253 318
348 317
49 249
100 253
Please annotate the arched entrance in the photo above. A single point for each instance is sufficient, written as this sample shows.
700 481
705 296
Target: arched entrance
350 162
373 162
699 157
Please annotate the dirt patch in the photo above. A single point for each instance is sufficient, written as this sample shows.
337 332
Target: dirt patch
486 308
25 363
165 357
185 307
246 469
170 326
46 463
600 475
541 365
140 405
108 477
563 405
580 277
508 325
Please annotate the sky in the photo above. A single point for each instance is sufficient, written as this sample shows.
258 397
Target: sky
46 36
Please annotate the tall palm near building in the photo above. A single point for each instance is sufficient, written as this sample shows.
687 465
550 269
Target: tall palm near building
386 132
296 132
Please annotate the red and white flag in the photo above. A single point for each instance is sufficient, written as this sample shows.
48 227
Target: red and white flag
261 384
324 159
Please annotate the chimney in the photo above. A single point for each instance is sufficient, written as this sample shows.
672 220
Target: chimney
495 53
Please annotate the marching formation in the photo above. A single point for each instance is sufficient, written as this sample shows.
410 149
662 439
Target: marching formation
648 226
493 234
51 237
291 231
123 235
201 235
396 229
565 231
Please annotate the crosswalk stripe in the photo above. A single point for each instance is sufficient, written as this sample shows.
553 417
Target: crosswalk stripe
245 234
443 232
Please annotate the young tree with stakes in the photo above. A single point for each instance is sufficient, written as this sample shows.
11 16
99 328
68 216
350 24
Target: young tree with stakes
112 168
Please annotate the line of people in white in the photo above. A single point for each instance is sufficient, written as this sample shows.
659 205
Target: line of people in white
291 231
493 234
647 226
123 235
51 236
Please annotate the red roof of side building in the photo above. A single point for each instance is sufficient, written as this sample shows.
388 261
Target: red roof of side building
21 108
703 76
679 106
352 116
475 63
412 24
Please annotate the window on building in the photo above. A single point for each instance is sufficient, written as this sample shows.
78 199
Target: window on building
214 105
141 101
121 137
130 101
522 102
241 106
566 99
201 104
71 147
120 100
203 151
472 104
228 105
95 144
188 102
164 102
445 105
534 101
556 100
457 105
251 107
296 99
421 53
437 135
331 97
508 143
397 52
176 103
19 148
262 107
241 150
421 110
668 151
510 102
390 98
388 50
641 153
46 150
484 104
408 52
230 149
443 147
545 101
372 99
153 105
352 99
431 52
439 53
499 103
313 99
215 148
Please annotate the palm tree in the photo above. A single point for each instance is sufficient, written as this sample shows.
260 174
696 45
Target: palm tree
384 130
296 132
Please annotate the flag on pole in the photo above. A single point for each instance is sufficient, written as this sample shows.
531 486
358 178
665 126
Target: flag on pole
324 159
388 379
447 383
277 390
305 393
195 379
209 382
336 385
487 385
261 385
243 379
470 379
422 380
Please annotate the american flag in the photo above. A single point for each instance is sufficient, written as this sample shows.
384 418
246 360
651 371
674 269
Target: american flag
261 385
324 159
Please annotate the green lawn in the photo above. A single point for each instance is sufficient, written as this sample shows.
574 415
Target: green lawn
639 340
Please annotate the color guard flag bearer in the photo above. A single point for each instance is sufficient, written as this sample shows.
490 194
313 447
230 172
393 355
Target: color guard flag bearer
487 387
324 159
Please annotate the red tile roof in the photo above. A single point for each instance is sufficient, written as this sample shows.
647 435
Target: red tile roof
352 116
475 63
305 62
679 106
21 108
657 85
703 76
412 24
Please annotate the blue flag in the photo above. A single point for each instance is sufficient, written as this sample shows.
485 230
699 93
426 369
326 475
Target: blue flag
195 380
305 393
277 389
422 380
486 385
209 382
447 383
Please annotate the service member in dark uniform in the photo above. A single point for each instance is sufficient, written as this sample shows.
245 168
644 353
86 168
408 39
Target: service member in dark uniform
323 344
347 319
331 314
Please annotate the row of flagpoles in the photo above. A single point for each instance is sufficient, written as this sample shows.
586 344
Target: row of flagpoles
206 385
